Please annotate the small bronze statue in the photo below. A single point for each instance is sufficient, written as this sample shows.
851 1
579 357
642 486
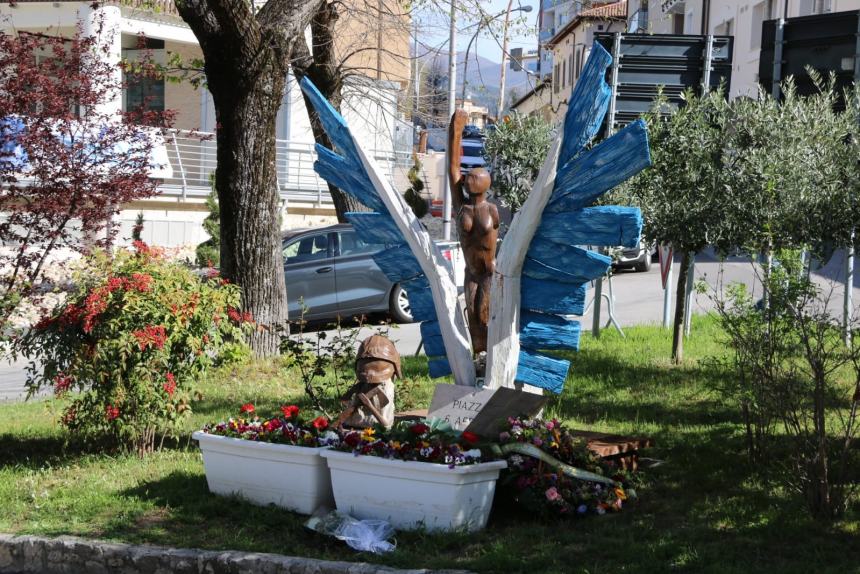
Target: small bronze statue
478 228
371 399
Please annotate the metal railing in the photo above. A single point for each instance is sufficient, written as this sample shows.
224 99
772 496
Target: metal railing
193 158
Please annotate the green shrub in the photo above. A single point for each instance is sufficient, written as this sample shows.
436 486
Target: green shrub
132 339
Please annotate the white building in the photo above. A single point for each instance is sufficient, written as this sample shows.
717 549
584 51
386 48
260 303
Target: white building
174 217
739 18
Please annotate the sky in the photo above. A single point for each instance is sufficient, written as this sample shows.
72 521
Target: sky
433 28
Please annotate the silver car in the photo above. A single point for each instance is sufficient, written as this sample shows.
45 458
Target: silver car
331 272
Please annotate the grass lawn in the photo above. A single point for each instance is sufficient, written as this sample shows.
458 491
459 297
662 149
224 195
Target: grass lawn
701 511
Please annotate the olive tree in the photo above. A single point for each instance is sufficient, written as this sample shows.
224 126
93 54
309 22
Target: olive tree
515 150
681 195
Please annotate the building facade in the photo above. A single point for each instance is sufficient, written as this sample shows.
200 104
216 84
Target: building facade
375 51
741 19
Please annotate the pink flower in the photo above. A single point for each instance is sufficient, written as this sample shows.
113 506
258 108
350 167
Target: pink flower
552 494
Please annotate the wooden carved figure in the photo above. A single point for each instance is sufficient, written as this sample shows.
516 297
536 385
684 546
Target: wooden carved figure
478 228
371 399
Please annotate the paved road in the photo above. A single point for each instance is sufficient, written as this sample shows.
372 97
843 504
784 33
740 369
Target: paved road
638 300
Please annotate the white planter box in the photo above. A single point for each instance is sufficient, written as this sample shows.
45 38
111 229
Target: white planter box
413 494
292 477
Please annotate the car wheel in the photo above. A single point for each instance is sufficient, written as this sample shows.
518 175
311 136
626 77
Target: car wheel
400 309
644 262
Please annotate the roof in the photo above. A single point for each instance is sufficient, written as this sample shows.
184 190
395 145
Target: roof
609 11
545 83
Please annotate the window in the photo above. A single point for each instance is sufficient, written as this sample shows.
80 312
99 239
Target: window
555 79
563 73
578 62
761 12
351 244
808 7
677 23
572 68
307 248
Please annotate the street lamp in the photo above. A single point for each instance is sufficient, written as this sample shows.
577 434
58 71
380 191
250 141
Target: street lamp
481 24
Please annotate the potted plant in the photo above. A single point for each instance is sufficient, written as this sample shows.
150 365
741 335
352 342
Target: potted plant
269 461
418 474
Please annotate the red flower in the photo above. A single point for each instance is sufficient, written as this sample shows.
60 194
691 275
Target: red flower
62 383
139 282
234 315
111 412
419 428
170 385
290 411
247 408
320 423
353 439
151 336
470 437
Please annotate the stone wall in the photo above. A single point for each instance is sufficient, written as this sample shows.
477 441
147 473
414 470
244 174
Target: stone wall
69 555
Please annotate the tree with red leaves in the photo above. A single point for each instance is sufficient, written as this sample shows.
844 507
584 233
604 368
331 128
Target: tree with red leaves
68 159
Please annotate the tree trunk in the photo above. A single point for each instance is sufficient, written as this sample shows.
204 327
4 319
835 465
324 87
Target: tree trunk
323 69
680 303
246 182
247 51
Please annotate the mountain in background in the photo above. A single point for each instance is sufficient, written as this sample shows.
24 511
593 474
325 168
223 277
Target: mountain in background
483 77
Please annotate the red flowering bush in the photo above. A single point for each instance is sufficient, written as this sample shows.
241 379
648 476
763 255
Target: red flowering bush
286 428
432 441
130 342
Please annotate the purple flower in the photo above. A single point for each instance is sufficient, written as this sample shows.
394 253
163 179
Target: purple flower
537 440
582 509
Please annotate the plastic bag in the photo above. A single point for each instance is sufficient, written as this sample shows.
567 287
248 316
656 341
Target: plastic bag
361 535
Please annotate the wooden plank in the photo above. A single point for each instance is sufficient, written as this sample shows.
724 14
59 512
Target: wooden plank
431 335
596 171
333 123
502 339
376 228
541 371
588 104
609 225
557 298
439 368
345 175
544 331
397 263
557 262
421 301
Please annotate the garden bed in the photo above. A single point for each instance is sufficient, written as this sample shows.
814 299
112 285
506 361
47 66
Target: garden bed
703 510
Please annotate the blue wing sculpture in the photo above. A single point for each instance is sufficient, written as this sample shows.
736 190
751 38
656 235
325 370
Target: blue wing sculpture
411 258
542 269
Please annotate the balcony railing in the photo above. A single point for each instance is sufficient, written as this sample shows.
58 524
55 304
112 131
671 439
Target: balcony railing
192 157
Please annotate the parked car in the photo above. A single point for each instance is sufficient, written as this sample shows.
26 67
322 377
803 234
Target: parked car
638 258
331 271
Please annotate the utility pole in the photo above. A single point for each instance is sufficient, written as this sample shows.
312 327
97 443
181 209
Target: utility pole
501 105
452 107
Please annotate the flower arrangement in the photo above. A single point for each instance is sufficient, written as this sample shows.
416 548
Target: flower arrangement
431 441
285 428
570 481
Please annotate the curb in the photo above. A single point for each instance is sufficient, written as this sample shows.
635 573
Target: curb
72 555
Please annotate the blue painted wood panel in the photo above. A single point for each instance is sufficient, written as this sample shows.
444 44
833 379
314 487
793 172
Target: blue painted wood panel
589 102
398 263
554 261
609 225
543 331
541 371
549 297
333 123
376 228
345 176
431 334
594 172
420 299
439 368
570 260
